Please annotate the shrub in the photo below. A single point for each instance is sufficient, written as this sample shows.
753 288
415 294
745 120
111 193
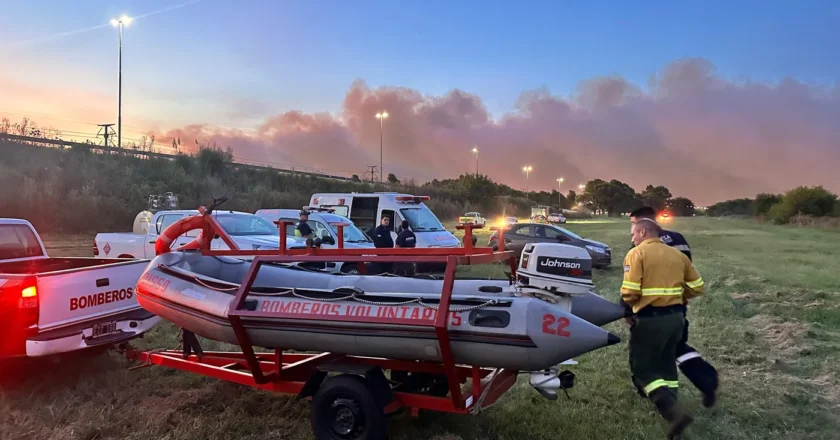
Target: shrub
813 201
736 207
763 202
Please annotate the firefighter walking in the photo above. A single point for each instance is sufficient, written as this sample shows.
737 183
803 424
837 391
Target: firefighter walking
658 280
698 370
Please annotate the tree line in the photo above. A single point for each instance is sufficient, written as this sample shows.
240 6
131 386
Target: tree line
809 201
79 190
614 198
75 190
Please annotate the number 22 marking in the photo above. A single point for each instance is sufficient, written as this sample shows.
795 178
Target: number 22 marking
562 323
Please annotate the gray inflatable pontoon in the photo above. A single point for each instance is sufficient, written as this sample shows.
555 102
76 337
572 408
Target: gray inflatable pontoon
491 324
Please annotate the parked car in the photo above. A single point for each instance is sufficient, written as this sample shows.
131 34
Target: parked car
474 218
510 220
50 306
556 217
323 224
523 233
248 231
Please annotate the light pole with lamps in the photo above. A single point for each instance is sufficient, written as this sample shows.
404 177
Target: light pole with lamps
118 23
381 116
475 152
527 169
560 192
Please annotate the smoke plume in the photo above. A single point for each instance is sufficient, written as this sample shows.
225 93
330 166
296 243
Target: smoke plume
702 136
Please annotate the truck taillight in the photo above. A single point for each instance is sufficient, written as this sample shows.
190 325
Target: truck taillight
29 297
95 249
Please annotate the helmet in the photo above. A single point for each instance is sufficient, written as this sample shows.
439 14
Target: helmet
303 212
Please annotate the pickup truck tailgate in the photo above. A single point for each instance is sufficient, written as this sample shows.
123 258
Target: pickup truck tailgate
84 299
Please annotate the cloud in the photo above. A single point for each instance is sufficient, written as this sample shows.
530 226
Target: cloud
703 136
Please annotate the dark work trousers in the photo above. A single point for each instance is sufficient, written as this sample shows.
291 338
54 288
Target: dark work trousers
701 373
653 348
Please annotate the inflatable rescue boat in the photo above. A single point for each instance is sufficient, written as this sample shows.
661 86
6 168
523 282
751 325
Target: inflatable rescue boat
526 325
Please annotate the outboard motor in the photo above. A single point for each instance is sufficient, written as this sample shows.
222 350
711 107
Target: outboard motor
561 270
558 268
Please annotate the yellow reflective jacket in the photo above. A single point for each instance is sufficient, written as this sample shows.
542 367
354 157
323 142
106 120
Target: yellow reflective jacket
658 275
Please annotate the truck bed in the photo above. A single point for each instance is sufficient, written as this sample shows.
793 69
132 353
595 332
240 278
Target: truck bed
45 266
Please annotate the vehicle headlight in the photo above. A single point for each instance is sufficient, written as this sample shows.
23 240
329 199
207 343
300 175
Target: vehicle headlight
596 249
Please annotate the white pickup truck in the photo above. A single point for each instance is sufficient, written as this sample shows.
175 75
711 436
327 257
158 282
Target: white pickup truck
247 230
57 305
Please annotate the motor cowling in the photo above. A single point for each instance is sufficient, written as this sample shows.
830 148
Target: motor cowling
557 268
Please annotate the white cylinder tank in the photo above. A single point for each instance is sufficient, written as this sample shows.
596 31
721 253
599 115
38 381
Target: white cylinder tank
142 222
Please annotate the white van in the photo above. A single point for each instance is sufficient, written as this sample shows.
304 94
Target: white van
367 210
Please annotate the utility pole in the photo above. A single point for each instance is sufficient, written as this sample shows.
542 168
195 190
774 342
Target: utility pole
106 132
372 170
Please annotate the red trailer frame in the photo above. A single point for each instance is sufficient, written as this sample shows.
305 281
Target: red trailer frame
303 374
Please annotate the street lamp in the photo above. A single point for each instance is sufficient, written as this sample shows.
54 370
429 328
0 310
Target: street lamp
560 192
527 170
381 116
119 22
475 152
581 187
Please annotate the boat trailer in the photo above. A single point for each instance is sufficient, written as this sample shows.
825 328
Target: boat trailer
351 395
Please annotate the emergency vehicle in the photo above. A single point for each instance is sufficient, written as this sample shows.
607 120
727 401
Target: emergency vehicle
50 306
366 210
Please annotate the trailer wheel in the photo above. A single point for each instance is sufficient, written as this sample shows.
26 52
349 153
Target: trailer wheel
344 408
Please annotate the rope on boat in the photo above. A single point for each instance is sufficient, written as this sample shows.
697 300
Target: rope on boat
418 301
208 286
354 297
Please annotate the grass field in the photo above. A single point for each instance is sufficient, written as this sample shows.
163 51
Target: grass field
770 323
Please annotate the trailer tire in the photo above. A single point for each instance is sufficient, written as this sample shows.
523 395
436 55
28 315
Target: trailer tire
344 408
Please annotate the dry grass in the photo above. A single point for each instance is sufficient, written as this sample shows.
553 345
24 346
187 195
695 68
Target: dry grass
786 339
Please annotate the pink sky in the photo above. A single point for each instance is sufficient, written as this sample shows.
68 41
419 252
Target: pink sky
701 135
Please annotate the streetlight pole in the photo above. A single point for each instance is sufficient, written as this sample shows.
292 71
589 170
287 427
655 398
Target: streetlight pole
527 170
560 192
124 20
381 116
475 152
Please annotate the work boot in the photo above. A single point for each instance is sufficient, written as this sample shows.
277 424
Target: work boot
667 406
704 376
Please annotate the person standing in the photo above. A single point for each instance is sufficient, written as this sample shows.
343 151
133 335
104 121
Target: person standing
406 239
700 372
303 229
382 239
658 280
